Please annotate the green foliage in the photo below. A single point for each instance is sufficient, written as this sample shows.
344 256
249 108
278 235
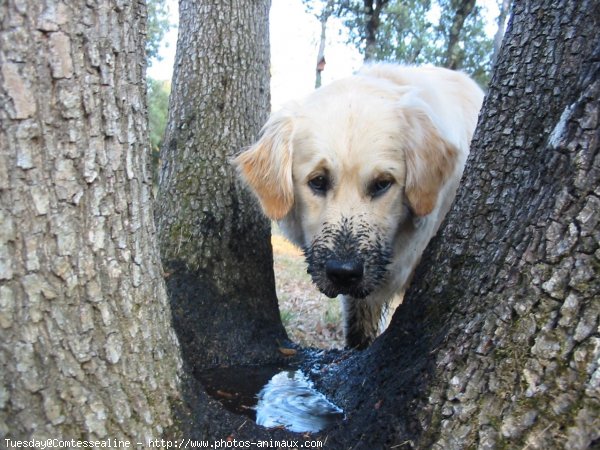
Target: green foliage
417 32
320 8
406 34
156 27
475 47
354 15
158 105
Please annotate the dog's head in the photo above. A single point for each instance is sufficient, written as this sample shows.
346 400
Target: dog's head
344 171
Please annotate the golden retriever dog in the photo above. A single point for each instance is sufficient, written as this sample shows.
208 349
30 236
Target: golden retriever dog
360 175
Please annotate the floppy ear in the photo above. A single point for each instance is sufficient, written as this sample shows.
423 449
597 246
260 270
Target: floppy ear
430 160
267 166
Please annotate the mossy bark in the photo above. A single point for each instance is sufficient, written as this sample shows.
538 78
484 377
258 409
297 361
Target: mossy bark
214 241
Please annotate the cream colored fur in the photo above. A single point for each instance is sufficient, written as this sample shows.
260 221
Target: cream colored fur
391 143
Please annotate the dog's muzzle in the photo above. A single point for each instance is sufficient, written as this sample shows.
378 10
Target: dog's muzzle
344 273
348 259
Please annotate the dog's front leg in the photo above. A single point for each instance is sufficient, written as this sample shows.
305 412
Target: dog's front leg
361 321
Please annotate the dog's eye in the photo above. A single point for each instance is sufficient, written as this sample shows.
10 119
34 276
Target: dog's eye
380 187
319 184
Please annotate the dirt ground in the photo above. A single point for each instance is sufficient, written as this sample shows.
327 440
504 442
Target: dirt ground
310 318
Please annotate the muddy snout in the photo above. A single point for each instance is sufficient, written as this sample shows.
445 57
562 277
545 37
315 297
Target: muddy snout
348 258
344 273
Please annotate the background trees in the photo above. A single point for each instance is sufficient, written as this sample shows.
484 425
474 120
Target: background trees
158 105
447 33
157 24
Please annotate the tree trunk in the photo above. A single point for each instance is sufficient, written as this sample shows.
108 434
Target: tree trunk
87 351
372 12
323 18
213 239
504 7
462 9
496 345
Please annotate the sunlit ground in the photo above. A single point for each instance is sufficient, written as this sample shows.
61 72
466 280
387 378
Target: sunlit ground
310 318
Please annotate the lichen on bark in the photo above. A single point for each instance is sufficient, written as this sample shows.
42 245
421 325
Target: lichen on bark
86 349
496 345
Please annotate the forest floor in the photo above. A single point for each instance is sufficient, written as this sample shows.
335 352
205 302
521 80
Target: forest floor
310 318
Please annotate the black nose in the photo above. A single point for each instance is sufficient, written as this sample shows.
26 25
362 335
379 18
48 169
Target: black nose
344 273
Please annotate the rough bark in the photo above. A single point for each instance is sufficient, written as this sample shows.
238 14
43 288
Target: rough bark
462 9
213 239
497 343
86 347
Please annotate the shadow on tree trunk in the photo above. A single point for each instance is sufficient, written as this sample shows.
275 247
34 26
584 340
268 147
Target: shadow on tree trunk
211 336
496 344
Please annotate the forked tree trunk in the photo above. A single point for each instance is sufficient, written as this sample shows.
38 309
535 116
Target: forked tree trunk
497 343
496 346
86 347
213 239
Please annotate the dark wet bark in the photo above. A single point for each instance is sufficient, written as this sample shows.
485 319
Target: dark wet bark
497 343
214 241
